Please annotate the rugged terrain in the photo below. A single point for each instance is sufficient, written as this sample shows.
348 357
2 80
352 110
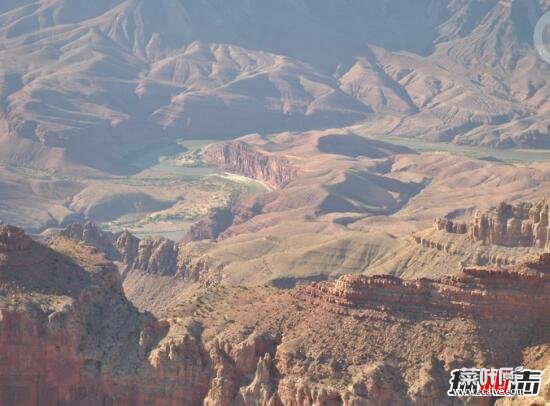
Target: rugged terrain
157 271
87 90
83 85
299 202
64 315
355 205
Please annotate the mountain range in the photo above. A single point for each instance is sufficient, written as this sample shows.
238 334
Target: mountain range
84 84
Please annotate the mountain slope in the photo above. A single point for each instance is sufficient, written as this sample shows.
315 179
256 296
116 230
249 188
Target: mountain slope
69 335
97 81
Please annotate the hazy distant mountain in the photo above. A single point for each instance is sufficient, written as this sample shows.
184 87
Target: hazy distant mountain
88 82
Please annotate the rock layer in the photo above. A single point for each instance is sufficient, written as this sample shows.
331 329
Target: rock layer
151 255
13 239
83 342
242 158
450 226
522 225
68 335
517 293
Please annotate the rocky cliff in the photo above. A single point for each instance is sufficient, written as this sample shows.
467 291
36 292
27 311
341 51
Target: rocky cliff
520 292
68 335
244 159
523 225
216 224
104 241
157 255
13 239
450 226
341 341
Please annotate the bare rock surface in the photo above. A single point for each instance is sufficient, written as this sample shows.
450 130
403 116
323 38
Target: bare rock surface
521 225
151 255
514 225
243 158
515 293
13 239
356 340
120 71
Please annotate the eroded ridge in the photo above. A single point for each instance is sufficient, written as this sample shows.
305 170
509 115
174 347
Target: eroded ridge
516 293
154 255
520 225
13 239
242 158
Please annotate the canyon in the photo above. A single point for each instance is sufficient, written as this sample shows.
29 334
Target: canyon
291 203
436 251
470 293
65 316
240 157
522 225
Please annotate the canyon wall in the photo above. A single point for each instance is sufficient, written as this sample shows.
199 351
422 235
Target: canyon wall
450 226
520 225
156 255
74 338
65 358
13 239
244 159
519 293
215 225
68 335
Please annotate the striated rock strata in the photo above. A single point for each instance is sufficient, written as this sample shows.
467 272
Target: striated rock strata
516 293
244 159
523 225
450 226
215 225
520 225
68 335
158 256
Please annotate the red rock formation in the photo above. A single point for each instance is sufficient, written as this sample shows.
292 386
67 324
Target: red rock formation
519 293
215 226
127 246
69 336
542 263
90 234
151 255
522 225
82 342
73 338
157 256
13 239
450 226
211 227
244 159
